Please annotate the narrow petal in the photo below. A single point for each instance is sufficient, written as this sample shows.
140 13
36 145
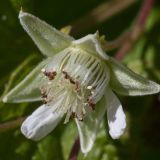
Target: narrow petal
49 40
126 82
28 89
115 114
89 127
40 123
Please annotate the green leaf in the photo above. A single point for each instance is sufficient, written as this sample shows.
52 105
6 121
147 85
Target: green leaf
126 82
28 89
49 149
15 145
49 40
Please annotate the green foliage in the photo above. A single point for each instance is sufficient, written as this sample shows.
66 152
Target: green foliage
141 141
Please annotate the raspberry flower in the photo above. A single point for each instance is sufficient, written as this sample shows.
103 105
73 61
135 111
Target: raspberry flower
75 81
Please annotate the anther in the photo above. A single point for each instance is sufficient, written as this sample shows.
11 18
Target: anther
67 76
49 82
89 87
43 70
92 92
73 115
45 100
44 95
50 74
80 119
77 86
72 81
91 103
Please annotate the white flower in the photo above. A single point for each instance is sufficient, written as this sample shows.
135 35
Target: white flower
75 81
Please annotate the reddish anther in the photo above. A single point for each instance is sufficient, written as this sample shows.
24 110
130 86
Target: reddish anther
67 76
91 103
50 74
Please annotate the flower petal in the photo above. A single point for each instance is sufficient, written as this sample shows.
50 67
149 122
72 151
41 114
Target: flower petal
89 127
115 114
91 44
40 123
126 82
28 89
49 40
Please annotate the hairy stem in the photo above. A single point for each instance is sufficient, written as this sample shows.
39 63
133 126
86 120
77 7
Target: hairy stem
136 30
75 150
110 45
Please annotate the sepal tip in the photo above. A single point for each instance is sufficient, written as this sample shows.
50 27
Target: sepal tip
4 99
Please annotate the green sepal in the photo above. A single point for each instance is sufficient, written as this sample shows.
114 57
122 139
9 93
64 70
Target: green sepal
124 81
48 39
28 89
89 127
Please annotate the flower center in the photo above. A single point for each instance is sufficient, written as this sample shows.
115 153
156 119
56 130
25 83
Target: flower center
74 83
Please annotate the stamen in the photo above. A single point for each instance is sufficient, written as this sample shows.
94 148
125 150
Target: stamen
89 87
43 70
73 115
44 95
81 119
77 82
49 82
92 92
45 101
71 80
77 86
50 74
67 76
91 103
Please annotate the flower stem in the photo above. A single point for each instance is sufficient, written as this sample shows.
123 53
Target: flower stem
136 30
75 150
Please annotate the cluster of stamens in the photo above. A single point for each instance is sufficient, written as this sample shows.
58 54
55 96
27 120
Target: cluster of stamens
77 89
73 82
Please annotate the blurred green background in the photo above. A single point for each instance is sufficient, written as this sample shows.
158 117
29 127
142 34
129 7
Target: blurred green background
18 55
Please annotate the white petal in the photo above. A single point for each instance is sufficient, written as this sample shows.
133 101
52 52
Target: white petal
40 123
89 127
115 114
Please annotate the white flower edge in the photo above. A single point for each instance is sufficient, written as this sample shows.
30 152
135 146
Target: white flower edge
115 115
40 123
